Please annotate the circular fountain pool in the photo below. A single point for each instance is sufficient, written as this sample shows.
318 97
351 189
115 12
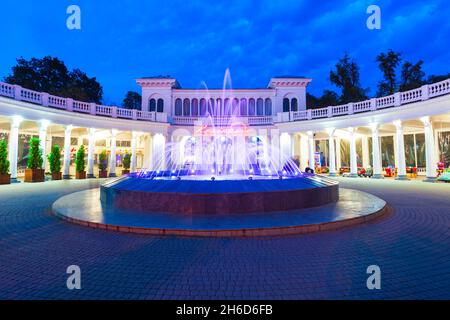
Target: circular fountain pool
223 195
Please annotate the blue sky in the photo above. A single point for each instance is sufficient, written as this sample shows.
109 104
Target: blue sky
192 40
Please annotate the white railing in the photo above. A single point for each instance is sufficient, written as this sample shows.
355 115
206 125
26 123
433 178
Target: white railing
103 110
7 90
299 115
223 121
57 102
18 93
83 107
260 120
400 98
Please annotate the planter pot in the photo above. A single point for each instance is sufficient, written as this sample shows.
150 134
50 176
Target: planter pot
125 171
34 175
80 175
103 174
5 178
56 175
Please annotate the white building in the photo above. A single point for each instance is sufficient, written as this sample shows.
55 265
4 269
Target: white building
408 129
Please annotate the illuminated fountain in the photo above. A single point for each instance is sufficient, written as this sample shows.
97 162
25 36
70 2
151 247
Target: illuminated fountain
223 180
222 168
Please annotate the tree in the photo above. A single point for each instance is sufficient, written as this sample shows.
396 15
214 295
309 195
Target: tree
346 77
311 101
4 162
126 161
83 88
437 78
412 76
35 159
102 161
80 164
388 63
54 159
132 100
51 75
328 98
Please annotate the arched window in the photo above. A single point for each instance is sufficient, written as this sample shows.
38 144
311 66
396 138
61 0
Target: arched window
160 105
294 104
178 107
186 107
195 107
226 107
243 107
286 105
152 105
268 107
211 106
218 110
251 107
235 107
260 107
202 106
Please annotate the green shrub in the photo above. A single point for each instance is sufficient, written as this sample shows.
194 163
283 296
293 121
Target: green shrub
35 159
54 159
126 162
4 162
102 161
80 164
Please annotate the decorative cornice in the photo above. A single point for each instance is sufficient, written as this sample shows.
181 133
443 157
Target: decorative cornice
289 82
157 83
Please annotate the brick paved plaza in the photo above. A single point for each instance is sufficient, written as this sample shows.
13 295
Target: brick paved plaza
411 246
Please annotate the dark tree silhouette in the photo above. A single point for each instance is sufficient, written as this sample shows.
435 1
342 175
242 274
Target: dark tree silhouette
437 78
51 75
346 77
132 100
388 63
328 98
412 76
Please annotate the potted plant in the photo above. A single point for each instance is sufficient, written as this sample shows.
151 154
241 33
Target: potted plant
5 177
80 164
34 171
54 160
126 162
102 164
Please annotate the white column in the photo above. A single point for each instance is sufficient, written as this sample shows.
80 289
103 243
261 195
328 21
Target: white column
400 151
365 152
304 151
133 159
275 143
430 156
311 150
13 146
91 147
150 163
353 160
67 154
43 125
376 154
159 152
285 147
112 154
338 154
331 153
